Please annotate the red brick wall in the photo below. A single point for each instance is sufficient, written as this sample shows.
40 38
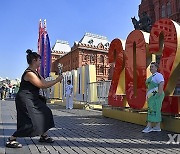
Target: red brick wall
154 9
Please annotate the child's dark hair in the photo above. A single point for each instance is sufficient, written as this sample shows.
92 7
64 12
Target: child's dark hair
155 64
69 81
32 55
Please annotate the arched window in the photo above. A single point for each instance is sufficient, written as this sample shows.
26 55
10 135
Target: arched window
168 9
101 59
163 11
100 46
101 70
86 57
92 58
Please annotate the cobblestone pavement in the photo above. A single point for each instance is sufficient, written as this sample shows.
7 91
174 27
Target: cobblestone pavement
85 131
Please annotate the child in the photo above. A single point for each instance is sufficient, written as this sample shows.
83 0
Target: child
69 95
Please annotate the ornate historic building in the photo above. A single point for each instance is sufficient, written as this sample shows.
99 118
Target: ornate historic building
91 49
157 9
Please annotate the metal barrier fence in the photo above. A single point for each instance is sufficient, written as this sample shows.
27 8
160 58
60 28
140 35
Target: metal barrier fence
102 88
95 92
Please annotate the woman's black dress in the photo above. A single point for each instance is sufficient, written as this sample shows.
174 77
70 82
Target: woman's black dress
33 116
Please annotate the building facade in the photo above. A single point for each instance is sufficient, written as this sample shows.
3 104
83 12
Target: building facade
157 9
91 49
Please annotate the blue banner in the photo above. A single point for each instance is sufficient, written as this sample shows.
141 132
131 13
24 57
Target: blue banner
42 55
48 57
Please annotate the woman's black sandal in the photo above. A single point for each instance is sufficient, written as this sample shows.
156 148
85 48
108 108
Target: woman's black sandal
13 144
46 139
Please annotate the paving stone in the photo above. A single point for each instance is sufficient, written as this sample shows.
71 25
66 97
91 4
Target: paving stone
86 132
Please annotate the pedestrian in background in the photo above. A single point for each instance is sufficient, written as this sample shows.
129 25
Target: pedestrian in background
16 89
69 95
155 96
10 91
3 92
34 118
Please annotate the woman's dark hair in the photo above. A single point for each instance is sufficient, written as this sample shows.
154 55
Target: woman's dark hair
32 55
155 64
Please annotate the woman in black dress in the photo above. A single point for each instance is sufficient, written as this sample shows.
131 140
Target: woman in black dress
34 118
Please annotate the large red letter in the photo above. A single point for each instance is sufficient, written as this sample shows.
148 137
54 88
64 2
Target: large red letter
165 41
116 55
135 68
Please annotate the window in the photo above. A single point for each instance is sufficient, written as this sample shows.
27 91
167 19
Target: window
168 9
90 41
177 91
163 11
100 46
101 70
92 58
84 57
106 45
109 71
101 59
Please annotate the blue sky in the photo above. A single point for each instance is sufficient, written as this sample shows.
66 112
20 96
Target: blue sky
67 20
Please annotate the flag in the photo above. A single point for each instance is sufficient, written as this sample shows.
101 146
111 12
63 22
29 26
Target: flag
39 36
44 50
47 57
42 55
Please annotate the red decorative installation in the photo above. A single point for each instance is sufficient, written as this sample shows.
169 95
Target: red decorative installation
135 69
164 40
116 56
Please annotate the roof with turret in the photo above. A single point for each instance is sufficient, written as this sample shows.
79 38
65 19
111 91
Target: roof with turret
94 42
94 39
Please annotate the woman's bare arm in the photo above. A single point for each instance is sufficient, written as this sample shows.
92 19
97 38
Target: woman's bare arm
32 77
160 88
